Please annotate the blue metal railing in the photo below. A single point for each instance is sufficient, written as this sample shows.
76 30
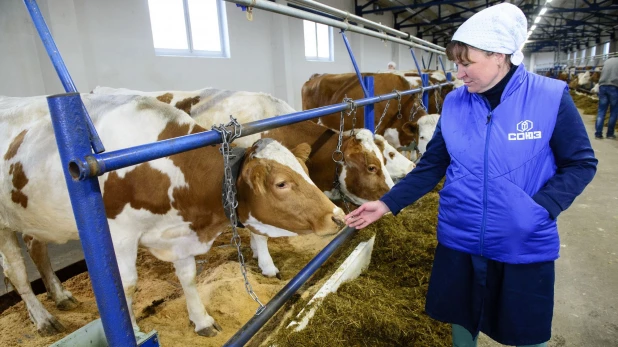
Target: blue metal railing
358 74
70 129
97 164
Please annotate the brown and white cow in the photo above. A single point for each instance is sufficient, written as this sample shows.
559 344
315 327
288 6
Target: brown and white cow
328 89
362 178
212 106
170 205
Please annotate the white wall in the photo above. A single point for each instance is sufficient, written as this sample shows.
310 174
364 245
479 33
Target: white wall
110 43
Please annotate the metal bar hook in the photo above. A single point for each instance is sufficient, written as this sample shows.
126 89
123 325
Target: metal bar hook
61 69
358 74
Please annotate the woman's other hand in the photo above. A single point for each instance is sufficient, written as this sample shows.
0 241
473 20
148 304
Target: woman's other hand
366 214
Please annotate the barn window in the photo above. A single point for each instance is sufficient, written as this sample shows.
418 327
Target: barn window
318 41
606 49
593 51
189 28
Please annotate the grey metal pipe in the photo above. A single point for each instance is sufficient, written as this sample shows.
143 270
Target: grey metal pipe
347 15
292 12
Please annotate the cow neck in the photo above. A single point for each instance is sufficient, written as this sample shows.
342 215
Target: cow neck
237 156
321 141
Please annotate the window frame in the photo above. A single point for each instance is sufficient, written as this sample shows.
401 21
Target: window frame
331 51
190 52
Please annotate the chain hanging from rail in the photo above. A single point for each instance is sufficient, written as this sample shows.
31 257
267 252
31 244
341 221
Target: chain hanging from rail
386 109
229 197
337 155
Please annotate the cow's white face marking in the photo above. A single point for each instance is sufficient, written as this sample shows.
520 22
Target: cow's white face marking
396 164
426 127
277 152
392 136
366 138
267 229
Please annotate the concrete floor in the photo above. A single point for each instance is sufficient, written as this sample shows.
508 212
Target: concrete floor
586 291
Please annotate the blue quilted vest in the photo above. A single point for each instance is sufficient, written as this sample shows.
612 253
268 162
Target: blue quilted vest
499 160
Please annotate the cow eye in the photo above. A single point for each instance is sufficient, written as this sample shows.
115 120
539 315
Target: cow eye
392 155
372 168
282 184
422 137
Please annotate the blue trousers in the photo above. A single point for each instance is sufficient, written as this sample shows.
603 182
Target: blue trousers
608 97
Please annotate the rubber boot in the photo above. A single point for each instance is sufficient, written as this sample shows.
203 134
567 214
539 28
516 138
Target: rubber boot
462 337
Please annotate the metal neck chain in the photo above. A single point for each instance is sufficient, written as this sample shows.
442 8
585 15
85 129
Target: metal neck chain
337 155
386 109
229 197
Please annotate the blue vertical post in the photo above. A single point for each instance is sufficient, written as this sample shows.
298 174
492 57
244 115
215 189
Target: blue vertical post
61 69
425 80
358 74
441 64
449 76
369 108
71 133
418 68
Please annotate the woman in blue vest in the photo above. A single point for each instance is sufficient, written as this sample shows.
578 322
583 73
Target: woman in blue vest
515 154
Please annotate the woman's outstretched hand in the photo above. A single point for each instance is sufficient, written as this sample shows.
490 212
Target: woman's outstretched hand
366 214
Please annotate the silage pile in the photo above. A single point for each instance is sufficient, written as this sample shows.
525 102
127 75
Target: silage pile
385 305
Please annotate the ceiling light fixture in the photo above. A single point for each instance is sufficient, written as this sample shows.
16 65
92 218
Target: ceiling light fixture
537 19
533 27
543 10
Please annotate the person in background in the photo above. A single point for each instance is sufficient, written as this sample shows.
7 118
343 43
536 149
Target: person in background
608 97
391 66
515 154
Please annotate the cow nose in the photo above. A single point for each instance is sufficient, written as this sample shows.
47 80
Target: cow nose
339 221
338 217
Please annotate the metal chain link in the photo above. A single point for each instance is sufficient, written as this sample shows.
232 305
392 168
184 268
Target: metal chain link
337 155
229 197
386 109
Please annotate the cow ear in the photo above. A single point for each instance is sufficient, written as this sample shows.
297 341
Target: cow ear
410 128
255 174
302 151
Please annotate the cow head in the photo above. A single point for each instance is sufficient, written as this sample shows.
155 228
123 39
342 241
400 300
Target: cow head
363 176
426 127
396 164
277 197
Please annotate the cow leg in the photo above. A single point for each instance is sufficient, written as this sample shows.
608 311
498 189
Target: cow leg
38 252
15 270
253 246
264 259
205 325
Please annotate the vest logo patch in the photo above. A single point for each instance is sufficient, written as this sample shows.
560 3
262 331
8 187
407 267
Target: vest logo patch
524 132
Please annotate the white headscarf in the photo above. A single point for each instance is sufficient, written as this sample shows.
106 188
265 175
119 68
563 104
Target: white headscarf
501 28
